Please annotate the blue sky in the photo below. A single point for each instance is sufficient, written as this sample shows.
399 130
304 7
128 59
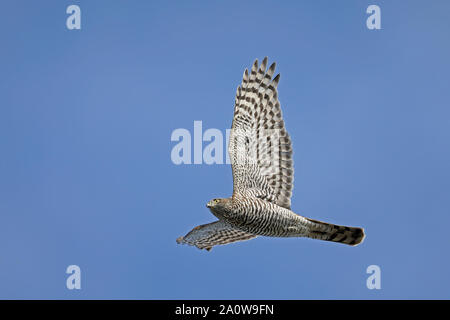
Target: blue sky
86 176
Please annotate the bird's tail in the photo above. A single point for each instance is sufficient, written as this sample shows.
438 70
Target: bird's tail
331 232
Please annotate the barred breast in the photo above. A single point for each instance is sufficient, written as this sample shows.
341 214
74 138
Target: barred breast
264 218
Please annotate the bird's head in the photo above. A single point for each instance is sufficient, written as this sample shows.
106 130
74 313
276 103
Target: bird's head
214 203
218 205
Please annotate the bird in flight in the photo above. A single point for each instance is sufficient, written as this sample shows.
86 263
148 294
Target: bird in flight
261 160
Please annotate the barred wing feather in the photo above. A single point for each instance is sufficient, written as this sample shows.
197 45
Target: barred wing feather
260 147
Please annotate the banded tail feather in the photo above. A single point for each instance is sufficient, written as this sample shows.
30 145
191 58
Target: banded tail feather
336 233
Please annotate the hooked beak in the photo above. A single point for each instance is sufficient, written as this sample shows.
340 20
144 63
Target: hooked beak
208 205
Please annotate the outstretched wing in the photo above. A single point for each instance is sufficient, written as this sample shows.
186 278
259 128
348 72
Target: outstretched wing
208 235
260 148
